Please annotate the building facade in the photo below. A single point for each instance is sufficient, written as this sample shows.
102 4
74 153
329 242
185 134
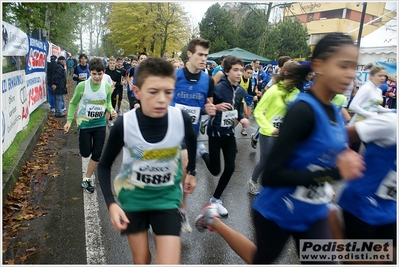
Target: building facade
322 18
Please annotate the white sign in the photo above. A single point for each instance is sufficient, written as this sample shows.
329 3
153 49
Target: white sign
334 250
15 41
36 88
14 108
55 50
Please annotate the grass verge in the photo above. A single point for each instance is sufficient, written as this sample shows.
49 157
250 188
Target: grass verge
11 154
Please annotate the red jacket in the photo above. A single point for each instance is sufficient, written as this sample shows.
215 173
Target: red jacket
391 90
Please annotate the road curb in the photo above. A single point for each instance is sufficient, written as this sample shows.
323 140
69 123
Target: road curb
10 177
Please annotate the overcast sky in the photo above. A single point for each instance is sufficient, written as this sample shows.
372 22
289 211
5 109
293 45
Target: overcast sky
196 10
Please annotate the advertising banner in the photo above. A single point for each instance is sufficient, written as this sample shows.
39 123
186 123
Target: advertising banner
53 50
36 89
15 41
14 108
36 59
362 77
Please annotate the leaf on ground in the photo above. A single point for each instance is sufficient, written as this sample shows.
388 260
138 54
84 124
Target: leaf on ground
21 258
22 244
15 226
32 249
19 217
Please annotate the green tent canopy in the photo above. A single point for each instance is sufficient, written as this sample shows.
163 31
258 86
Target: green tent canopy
240 53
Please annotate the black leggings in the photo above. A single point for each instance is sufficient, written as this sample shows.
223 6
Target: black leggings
358 229
271 238
119 92
91 141
229 148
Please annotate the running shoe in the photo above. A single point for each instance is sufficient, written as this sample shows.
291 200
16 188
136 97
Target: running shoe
221 210
208 214
253 187
201 149
185 224
202 127
87 185
254 142
203 124
244 132
120 113
110 124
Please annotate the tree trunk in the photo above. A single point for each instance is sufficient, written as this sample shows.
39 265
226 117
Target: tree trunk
261 48
81 41
165 38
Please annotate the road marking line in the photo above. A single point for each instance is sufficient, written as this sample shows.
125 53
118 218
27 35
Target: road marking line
95 252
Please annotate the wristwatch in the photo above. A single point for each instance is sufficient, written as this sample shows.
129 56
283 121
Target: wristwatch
193 173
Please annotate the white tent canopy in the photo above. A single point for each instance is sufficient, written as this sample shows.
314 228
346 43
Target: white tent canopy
380 45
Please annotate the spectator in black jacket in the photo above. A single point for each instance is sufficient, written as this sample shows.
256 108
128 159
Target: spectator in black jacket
58 85
50 67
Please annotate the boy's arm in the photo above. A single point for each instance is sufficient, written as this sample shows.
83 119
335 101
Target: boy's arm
111 151
345 115
191 143
109 90
77 95
360 98
240 110
75 76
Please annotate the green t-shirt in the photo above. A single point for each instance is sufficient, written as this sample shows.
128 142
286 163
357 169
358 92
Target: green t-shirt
83 122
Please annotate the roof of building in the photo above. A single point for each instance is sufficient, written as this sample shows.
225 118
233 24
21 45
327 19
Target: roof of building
382 40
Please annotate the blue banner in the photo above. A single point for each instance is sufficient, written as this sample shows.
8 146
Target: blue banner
390 67
37 56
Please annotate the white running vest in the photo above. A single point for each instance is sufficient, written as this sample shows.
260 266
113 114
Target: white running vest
92 105
150 165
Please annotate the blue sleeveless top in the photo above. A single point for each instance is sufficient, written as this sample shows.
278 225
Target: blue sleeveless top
191 96
297 208
372 198
84 72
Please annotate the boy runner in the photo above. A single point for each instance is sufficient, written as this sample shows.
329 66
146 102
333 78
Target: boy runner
148 186
193 93
92 98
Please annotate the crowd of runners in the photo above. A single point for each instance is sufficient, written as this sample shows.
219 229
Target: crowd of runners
304 137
